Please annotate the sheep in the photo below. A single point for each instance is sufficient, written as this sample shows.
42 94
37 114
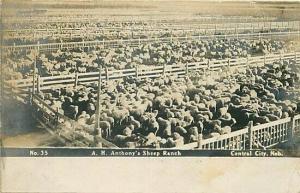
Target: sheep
193 132
176 141
180 130
136 124
120 114
210 108
107 118
164 126
224 130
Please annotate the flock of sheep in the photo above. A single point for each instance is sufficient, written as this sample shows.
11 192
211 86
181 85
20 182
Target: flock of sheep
164 112
54 32
63 62
171 111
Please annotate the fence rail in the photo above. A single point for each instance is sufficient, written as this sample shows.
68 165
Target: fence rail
45 83
137 42
150 31
253 137
261 136
51 118
79 18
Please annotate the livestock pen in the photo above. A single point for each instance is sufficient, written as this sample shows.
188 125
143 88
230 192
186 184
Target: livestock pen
127 32
48 82
261 136
139 41
254 137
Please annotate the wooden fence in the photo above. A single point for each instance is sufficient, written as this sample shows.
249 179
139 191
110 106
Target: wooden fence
49 82
150 31
253 137
139 41
51 119
79 18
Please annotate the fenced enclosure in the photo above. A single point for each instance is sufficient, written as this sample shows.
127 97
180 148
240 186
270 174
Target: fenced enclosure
51 119
151 31
139 41
156 78
253 137
72 17
45 83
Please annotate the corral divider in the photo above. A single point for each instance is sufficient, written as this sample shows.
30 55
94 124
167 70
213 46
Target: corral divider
137 42
137 32
52 118
179 69
253 137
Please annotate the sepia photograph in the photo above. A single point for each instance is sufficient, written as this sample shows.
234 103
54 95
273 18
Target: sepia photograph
150 78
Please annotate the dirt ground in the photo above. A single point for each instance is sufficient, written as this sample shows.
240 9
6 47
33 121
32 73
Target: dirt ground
38 138
19 128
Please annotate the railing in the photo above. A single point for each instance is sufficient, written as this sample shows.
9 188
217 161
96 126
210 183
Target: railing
51 119
45 83
137 42
254 137
271 134
138 31
74 18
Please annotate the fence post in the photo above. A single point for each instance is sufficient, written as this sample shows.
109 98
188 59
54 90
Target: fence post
61 44
56 120
76 80
265 59
250 127
83 44
164 69
248 64
291 131
295 58
186 69
98 110
38 84
38 46
34 74
200 139
106 74
136 71
208 64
